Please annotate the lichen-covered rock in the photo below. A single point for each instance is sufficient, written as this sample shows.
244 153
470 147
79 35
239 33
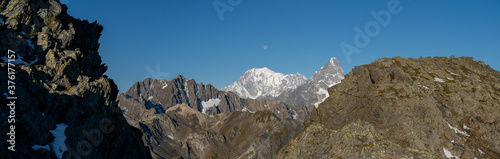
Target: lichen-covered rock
59 81
402 108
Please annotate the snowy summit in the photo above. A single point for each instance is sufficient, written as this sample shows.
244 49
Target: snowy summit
263 82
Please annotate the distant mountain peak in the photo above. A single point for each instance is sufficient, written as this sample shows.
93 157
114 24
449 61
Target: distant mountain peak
264 82
294 89
332 61
263 69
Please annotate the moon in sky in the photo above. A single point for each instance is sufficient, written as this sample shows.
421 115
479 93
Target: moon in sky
265 47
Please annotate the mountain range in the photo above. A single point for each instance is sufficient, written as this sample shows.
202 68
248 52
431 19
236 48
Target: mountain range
184 119
182 109
293 89
159 95
65 107
262 82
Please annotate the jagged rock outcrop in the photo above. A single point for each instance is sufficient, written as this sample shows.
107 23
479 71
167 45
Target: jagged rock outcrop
314 91
407 108
65 106
159 95
182 132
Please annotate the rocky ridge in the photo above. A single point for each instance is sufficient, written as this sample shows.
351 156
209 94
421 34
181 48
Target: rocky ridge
406 108
159 95
60 87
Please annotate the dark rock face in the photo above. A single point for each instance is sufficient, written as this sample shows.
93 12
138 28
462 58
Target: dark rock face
60 82
402 108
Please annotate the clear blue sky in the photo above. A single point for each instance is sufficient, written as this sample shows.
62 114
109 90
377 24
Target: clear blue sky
189 38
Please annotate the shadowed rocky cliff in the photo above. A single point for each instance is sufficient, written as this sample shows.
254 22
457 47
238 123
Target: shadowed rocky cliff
65 105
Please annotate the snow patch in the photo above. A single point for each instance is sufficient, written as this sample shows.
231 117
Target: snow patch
425 87
480 151
324 92
294 115
150 97
449 154
124 110
449 78
19 60
210 103
164 86
465 127
334 83
30 43
267 106
457 131
37 147
245 109
186 88
452 73
171 137
59 138
478 79
438 79
332 61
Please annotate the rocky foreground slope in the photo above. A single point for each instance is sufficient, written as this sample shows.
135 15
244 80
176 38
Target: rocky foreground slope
407 108
182 132
65 106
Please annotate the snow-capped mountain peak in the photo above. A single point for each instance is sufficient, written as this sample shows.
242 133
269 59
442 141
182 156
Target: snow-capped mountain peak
263 82
329 73
294 89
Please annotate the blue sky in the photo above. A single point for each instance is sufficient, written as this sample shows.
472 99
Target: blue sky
164 38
